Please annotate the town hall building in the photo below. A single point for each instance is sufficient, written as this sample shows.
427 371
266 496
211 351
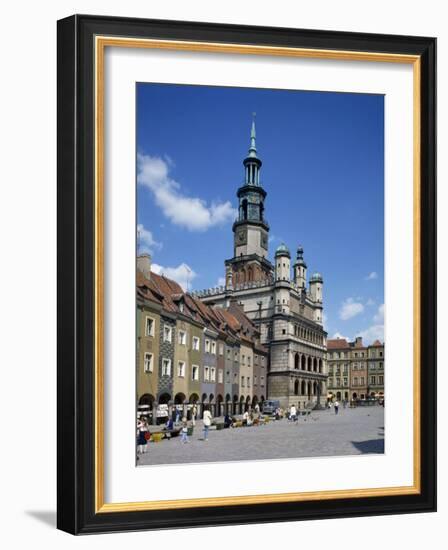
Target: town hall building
277 297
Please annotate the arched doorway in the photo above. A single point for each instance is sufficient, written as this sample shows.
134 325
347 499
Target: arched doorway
315 365
241 405
303 388
228 404
254 401
296 361
338 395
235 404
193 400
219 409
145 406
320 366
296 387
303 362
310 362
179 406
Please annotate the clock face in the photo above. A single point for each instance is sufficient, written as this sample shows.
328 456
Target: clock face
241 236
264 241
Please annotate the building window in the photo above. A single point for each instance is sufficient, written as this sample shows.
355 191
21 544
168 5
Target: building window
195 343
181 369
372 366
194 372
262 381
242 381
228 377
236 356
338 381
255 380
248 382
220 376
355 381
182 336
380 365
207 346
214 348
212 374
167 333
356 355
345 381
381 380
243 359
381 354
221 349
235 378
149 326
228 354
149 365
166 367
373 380
284 331
248 360
206 374
362 380
262 360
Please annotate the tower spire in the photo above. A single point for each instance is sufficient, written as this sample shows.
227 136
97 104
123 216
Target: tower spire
253 135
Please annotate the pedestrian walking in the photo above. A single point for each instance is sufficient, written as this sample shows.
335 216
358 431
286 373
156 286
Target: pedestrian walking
207 419
336 407
143 436
184 431
293 413
177 416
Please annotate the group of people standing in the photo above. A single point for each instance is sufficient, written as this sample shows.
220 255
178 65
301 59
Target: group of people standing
144 435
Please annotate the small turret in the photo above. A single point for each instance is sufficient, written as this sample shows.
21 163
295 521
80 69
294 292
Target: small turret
300 269
316 295
282 263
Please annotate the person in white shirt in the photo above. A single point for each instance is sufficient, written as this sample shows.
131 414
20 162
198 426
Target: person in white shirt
207 419
293 413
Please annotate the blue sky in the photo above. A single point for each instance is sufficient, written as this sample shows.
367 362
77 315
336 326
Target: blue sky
323 170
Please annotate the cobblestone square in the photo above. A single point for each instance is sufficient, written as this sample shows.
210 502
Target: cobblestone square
351 432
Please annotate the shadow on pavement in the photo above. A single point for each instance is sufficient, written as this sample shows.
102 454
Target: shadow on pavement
371 446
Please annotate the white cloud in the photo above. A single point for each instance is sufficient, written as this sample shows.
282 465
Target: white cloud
324 318
374 332
192 213
350 308
379 316
337 335
370 302
182 274
146 241
221 281
371 276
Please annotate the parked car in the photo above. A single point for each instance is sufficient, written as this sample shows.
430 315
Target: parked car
270 406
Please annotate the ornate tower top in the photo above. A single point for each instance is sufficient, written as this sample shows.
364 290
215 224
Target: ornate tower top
253 135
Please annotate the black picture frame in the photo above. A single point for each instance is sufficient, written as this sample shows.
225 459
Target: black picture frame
76 285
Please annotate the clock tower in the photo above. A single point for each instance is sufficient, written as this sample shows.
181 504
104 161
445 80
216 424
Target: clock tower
251 230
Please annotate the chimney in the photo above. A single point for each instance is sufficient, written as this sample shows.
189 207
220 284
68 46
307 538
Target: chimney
358 341
144 265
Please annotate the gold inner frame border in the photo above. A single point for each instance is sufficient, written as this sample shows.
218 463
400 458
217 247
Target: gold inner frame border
100 44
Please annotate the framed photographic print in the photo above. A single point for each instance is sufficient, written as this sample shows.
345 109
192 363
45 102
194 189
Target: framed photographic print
246 274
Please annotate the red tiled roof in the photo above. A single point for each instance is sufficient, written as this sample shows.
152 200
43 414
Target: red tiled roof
339 343
377 343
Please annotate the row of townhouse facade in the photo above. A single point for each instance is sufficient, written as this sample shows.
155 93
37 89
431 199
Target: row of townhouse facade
355 371
190 355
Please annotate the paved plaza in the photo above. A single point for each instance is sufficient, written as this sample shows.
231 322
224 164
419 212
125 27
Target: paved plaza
351 432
